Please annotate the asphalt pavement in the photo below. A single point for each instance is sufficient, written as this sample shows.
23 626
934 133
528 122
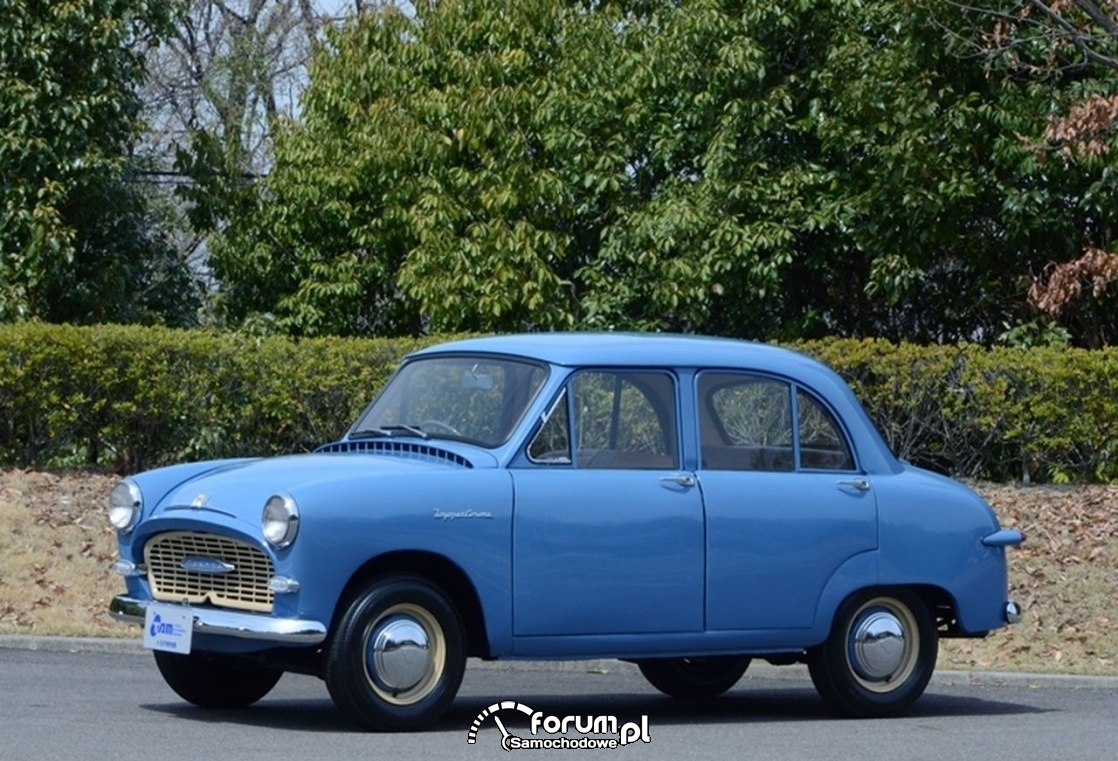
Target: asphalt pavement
758 669
64 699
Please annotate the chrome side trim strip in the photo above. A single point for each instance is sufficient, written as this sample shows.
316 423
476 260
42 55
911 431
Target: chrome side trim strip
285 631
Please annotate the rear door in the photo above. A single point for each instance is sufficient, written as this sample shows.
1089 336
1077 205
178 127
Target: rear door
785 502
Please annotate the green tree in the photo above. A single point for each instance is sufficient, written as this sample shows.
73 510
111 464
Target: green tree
77 241
1068 50
728 166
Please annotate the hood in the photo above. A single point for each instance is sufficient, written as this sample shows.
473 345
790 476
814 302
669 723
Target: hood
241 489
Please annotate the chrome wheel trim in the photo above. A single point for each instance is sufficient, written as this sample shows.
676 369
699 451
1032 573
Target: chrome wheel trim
404 654
882 645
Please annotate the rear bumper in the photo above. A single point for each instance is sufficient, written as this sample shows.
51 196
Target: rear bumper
227 623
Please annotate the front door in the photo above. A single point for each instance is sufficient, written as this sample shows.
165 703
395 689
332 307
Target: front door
607 531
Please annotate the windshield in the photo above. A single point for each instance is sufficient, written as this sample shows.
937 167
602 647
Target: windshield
478 399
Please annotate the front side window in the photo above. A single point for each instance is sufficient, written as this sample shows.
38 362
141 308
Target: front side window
476 399
552 445
750 423
608 419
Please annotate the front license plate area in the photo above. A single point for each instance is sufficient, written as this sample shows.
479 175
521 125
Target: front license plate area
168 628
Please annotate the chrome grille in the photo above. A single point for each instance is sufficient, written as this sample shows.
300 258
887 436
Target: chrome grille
244 587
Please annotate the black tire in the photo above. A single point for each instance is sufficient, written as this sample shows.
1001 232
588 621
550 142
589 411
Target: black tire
407 686
866 676
214 680
694 678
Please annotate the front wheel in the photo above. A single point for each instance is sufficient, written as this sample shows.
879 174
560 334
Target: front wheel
397 657
879 656
214 680
694 678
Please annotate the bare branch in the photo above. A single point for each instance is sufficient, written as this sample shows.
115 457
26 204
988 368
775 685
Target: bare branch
1095 13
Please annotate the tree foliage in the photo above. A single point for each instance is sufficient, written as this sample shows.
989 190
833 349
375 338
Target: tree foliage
76 238
726 166
1068 48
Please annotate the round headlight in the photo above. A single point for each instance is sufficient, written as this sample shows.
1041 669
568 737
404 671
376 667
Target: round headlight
280 521
125 505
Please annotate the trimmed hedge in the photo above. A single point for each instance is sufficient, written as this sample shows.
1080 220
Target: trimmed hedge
1040 414
128 398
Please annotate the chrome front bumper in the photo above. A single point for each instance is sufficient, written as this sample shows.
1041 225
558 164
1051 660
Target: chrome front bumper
226 623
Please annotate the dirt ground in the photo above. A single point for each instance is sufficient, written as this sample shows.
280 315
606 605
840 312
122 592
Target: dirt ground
56 550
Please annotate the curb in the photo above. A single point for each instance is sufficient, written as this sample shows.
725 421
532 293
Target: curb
757 670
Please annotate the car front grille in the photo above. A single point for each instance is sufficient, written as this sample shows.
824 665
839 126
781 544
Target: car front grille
206 575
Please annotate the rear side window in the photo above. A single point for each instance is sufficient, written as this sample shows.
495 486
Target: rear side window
750 423
822 445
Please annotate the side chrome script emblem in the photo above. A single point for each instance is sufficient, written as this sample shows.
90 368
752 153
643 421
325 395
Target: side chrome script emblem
199 501
197 564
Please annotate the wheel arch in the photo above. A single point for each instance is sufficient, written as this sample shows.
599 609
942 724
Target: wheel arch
435 569
940 603
850 579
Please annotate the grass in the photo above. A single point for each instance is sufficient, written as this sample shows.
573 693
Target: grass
56 550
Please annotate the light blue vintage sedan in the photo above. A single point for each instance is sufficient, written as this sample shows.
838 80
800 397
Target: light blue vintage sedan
684 503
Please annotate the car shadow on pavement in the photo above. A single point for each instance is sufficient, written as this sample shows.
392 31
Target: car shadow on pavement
782 704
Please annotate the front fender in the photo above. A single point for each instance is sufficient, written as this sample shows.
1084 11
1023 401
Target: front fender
464 516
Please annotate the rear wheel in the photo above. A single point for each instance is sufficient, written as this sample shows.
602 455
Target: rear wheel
879 656
397 657
694 678
214 680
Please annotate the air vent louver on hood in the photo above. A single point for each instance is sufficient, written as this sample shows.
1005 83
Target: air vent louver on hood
396 449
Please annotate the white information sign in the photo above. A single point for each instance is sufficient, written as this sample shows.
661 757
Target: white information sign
169 628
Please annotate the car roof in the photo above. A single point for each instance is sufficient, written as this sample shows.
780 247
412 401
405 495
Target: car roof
671 350
633 350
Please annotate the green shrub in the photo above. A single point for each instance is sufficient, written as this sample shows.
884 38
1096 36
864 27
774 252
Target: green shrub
1039 414
127 398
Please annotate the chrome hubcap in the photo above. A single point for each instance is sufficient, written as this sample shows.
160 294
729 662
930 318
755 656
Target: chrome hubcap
879 645
405 653
883 645
400 654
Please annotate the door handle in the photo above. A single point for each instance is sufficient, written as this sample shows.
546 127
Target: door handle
860 484
683 479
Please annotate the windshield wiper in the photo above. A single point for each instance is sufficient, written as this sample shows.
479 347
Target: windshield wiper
370 433
409 428
388 432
